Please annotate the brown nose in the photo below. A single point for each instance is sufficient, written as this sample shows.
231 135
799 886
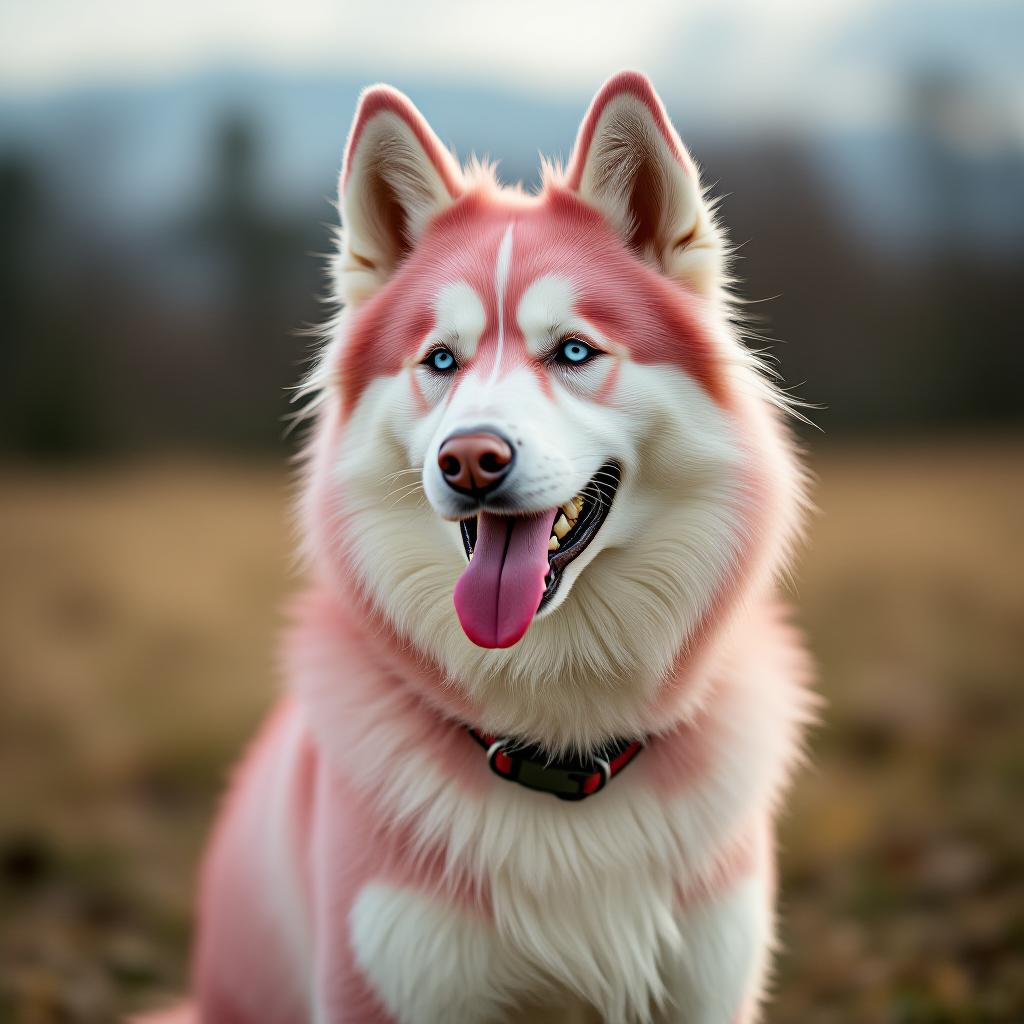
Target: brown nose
475 463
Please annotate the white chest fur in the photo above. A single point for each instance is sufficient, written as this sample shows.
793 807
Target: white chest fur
602 941
623 952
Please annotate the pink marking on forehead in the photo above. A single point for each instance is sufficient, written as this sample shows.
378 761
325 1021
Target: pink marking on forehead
628 302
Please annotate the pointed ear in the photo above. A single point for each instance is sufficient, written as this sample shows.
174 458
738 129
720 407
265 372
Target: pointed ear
396 176
630 164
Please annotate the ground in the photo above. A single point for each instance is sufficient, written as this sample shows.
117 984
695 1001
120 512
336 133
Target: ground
138 612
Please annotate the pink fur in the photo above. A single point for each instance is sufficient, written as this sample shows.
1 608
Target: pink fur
367 865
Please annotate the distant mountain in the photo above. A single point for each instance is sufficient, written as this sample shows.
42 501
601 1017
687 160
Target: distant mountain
132 156
140 151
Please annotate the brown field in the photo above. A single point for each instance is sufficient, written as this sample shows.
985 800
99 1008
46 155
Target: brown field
138 610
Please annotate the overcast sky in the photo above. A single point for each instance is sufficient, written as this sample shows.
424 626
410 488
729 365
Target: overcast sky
832 59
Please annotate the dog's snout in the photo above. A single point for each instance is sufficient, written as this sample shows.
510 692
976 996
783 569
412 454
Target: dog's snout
475 463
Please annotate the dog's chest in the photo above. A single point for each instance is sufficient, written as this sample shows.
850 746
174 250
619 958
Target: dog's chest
583 932
593 928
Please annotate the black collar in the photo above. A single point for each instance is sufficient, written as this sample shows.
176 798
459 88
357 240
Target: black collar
572 779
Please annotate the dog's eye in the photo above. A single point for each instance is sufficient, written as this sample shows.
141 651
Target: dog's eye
441 360
573 352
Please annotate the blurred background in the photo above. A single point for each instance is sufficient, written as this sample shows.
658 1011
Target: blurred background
167 173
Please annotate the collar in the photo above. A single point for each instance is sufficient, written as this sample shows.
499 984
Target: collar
571 779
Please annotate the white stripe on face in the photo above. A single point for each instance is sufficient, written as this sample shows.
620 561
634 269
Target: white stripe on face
501 269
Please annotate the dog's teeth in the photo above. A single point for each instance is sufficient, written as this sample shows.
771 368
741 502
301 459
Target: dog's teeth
553 543
578 502
570 510
561 527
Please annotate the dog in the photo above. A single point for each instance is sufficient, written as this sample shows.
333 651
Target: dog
542 699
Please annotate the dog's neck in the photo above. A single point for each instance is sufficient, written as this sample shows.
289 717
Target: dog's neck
562 716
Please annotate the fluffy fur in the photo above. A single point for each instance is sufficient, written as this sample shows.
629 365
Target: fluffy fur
368 866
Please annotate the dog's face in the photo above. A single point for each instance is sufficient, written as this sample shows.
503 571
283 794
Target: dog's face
536 410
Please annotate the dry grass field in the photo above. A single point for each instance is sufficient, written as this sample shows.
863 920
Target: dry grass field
138 611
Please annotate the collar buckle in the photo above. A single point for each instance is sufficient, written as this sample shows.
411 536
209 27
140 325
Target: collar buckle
572 779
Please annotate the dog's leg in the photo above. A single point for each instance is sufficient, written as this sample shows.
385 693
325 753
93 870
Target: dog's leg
717 975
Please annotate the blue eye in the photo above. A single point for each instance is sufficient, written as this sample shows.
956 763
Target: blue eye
574 352
441 360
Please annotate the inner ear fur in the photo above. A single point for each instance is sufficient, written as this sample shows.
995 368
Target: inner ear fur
396 177
630 164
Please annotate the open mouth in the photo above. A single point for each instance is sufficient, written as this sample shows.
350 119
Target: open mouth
517 576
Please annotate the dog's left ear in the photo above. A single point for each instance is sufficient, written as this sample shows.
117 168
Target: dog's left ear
396 176
631 165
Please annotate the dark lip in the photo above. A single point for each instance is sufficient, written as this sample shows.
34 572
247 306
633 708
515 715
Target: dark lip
601 491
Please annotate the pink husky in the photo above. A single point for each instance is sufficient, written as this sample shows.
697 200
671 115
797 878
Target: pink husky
542 702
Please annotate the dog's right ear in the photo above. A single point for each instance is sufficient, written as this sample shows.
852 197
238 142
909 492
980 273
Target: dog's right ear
395 178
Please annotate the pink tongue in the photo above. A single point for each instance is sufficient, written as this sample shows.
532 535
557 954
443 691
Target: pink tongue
498 592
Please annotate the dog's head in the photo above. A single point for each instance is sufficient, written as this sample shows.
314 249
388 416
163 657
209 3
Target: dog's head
538 432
